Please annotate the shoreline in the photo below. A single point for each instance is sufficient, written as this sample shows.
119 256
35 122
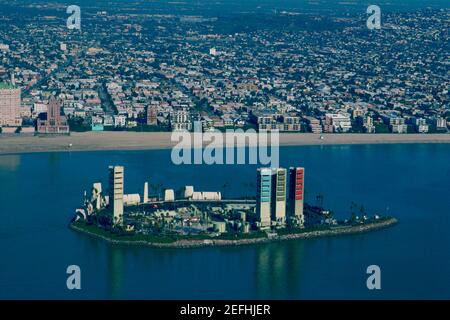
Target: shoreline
188 244
127 141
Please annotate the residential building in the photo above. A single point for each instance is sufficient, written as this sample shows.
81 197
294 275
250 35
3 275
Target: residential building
181 120
396 123
152 115
290 124
358 112
337 122
368 124
120 121
314 125
52 122
399 128
284 123
440 123
420 125
267 123
10 105
97 124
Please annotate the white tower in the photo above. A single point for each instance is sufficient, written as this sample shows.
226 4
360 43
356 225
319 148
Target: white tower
146 192
116 181
263 198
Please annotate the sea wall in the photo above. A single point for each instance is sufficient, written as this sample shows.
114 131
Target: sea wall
344 230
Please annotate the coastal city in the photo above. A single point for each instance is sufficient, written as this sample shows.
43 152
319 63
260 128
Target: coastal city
284 71
227 157
167 215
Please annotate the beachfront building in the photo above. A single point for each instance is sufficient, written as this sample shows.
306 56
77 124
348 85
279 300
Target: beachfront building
420 124
152 115
278 196
395 122
181 120
314 125
120 121
116 195
439 123
9 105
337 122
263 197
296 196
369 125
276 122
52 122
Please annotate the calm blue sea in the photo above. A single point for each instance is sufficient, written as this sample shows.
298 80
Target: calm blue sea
39 192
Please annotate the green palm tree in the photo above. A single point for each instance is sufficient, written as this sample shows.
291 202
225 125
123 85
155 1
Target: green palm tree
224 186
154 188
362 210
320 200
352 211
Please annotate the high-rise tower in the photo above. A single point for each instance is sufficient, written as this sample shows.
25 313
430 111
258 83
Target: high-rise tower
116 178
263 197
278 196
296 195
52 122
10 104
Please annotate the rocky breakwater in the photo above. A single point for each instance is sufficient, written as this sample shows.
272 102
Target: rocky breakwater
191 243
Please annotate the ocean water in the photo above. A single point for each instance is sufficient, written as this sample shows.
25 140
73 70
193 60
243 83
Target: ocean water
39 193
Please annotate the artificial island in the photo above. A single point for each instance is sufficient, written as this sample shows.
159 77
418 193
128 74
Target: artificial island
189 218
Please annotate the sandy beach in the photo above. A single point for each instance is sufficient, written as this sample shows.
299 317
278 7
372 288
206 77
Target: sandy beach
101 141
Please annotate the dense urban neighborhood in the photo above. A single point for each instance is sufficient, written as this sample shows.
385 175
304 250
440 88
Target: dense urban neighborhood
231 156
285 71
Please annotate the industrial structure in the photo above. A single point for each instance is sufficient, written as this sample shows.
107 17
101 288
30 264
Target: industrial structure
116 194
263 197
279 204
296 196
278 197
272 208
204 217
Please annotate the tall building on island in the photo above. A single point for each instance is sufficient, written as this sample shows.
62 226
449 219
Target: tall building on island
10 105
274 206
296 195
116 180
278 193
263 197
52 122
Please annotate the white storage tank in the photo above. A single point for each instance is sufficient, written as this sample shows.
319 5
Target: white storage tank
131 199
220 226
169 195
188 192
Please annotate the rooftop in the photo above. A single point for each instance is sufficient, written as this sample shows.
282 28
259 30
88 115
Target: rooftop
7 85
